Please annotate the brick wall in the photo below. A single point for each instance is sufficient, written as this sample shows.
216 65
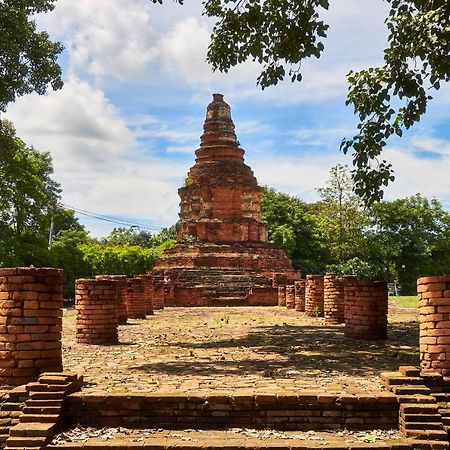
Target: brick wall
121 295
136 304
366 308
30 323
434 318
300 295
334 299
96 304
290 412
281 295
314 295
148 281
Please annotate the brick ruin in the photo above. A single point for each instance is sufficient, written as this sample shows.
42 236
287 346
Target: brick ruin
30 323
434 311
222 255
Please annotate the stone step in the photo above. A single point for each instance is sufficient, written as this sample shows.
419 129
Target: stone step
55 395
33 429
422 425
41 409
25 442
409 371
44 403
422 399
410 389
419 408
43 418
422 418
438 435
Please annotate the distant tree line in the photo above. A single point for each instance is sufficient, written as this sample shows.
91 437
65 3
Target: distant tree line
396 240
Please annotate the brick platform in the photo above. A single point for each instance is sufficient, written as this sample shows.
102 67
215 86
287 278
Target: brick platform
121 295
366 308
136 301
30 323
434 309
334 310
314 292
96 303
300 295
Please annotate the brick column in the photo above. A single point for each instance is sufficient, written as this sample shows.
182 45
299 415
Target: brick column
30 323
148 294
434 318
281 295
121 295
290 296
300 295
366 308
136 304
96 302
314 295
334 299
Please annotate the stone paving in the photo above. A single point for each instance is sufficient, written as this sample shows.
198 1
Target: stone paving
238 349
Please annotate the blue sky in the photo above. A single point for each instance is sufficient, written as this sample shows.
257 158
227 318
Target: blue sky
123 130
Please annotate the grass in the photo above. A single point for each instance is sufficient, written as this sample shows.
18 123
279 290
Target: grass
405 301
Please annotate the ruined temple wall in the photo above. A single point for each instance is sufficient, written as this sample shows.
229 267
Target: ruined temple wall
136 302
122 315
281 295
290 296
300 287
96 302
434 317
30 323
334 293
314 295
366 309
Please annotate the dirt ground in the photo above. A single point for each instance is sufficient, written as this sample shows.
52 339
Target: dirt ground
261 349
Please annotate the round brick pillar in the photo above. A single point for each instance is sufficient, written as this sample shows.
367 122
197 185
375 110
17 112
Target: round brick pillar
281 295
148 294
136 303
122 315
314 295
290 296
300 295
366 308
31 302
434 318
96 303
334 299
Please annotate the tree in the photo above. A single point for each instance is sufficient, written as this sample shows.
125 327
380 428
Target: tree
293 228
341 216
410 237
280 34
27 57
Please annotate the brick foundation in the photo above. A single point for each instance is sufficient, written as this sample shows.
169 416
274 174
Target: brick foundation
283 412
334 299
281 295
434 318
314 295
30 323
121 295
290 296
300 295
96 304
136 302
366 308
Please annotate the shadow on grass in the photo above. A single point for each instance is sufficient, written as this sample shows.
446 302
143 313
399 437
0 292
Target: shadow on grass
289 351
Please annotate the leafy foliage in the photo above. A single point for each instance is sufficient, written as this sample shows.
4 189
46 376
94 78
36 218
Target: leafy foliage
415 63
28 58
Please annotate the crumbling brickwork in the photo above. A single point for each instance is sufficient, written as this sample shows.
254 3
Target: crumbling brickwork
121 295
290 296
434 318
30 323
281 295
334 299
366 308
221 239
96 302
300 287
314 292
136 301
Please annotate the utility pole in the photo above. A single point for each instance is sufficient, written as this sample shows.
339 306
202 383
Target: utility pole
50 234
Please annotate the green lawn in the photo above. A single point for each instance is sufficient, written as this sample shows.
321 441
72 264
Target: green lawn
406 301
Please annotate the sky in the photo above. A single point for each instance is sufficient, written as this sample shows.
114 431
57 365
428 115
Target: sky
123 130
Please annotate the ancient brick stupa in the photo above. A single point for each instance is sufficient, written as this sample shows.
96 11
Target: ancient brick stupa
222 255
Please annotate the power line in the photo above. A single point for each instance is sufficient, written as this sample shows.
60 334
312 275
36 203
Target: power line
112 219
